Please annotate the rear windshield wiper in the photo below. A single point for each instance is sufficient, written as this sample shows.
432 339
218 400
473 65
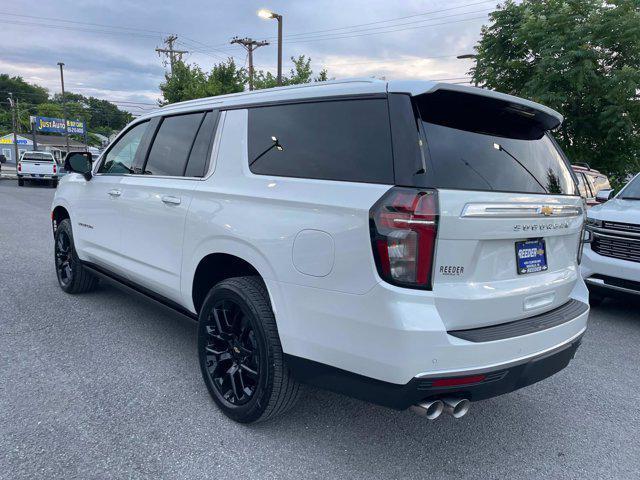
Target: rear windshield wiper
499 147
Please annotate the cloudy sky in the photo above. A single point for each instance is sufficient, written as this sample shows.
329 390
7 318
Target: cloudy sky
108 47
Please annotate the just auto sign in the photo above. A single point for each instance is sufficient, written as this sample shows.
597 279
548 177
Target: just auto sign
56 125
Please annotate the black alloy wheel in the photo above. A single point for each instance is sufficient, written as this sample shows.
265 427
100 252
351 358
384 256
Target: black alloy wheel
240 354
73 277
232 353
64 258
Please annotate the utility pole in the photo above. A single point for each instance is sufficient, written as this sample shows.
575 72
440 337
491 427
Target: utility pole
174 55
250 45
18 129
13 124
64 106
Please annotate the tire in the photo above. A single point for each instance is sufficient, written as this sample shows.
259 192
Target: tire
237 331
20 182
72 276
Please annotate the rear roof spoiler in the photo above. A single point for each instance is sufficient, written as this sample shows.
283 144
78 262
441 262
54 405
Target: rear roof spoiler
546 116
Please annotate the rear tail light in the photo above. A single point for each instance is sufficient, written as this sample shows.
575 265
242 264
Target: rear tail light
19 167
403 235
55 170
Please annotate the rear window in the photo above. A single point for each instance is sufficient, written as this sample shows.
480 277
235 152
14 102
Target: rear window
346 140
478 143
45 157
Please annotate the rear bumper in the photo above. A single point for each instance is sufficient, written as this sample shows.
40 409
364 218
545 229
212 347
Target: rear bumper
491 382
36 176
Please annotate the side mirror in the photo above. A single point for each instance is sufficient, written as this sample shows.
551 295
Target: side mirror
79 162
604 195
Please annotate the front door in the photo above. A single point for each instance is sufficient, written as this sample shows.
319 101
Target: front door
98 215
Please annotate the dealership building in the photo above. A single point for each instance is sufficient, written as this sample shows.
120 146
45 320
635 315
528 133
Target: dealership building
55 144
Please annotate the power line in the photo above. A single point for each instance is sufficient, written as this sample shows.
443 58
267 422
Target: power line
313 33
390 20
387 31
415 22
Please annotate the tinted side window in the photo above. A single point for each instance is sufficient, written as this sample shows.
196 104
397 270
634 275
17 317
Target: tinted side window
120 158
347 140
171 147
199 157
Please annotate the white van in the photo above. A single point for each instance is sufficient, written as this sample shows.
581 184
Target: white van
405 243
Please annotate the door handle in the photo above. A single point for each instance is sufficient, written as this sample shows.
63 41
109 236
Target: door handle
114 193
171 200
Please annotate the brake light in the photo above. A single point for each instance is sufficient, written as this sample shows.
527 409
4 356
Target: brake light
19 167
403 235
54 168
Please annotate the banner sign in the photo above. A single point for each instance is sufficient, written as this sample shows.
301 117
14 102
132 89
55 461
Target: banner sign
56 125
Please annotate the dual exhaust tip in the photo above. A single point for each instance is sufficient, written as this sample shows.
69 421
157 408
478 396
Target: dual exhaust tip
432 409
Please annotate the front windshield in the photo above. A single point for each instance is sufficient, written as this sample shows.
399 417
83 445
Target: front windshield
632 190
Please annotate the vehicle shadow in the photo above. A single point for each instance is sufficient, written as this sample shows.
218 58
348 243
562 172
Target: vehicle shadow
547 427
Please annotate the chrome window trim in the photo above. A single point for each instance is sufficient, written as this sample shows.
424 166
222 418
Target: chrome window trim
520 210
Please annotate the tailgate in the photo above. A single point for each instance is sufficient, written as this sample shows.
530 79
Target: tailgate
478 280
37 167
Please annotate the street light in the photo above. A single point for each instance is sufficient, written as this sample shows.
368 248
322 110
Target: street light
466 55
268 14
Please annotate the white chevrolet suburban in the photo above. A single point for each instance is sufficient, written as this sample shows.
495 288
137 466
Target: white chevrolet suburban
413 244
611 264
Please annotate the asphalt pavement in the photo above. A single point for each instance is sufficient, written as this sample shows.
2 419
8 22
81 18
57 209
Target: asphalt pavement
106 385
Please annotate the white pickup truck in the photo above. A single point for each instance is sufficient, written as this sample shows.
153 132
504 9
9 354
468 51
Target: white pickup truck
38 166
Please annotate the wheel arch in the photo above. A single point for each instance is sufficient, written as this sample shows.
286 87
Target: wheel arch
58 214
217 266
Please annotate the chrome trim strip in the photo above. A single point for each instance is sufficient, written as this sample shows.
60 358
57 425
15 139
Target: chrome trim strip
621 234
512 363
600 283
520 210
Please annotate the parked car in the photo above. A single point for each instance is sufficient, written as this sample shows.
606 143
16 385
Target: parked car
412 244
590 182
39 167
611 263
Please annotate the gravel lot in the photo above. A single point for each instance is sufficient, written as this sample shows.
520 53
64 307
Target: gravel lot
106 385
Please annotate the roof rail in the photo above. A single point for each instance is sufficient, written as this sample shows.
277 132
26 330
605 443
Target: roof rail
221 98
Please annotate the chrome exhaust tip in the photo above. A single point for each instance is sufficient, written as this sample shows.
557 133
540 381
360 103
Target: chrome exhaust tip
456 407
430 409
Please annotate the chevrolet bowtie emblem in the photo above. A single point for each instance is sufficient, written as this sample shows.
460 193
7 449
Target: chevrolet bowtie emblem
546 210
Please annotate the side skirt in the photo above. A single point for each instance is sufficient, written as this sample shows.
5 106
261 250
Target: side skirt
129 286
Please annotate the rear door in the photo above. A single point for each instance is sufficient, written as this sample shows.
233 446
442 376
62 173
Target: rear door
510 216
156 201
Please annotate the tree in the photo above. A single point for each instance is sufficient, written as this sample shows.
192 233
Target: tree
580 57
300 73
189 81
